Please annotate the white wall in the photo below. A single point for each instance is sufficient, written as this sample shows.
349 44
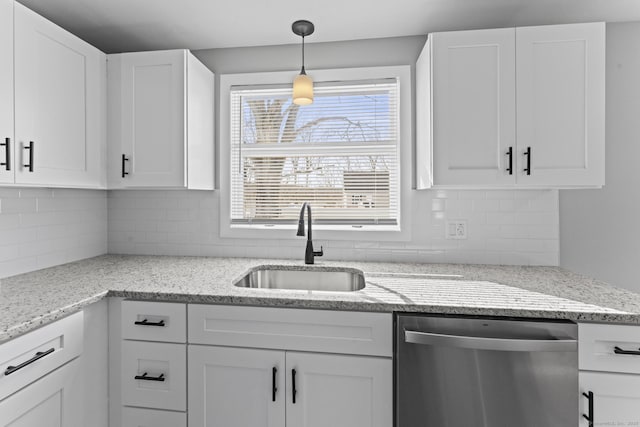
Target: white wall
505 227
41 227
600 230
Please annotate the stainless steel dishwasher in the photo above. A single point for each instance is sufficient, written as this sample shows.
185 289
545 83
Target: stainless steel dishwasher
479 372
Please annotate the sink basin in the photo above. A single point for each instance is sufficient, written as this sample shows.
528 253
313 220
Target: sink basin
303 278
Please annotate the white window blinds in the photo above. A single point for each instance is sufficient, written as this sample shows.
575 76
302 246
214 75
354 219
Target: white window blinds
339 153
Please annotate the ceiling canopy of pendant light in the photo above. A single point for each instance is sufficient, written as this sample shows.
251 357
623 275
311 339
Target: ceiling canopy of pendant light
303 84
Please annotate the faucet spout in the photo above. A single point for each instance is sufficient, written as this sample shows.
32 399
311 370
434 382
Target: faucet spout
309 253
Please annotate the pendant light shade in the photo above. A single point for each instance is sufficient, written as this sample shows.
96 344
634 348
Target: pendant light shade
302 90
303 84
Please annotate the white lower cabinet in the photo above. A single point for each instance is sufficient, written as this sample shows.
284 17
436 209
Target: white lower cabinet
231 387
237 387
53 401
615 399
338 391
139 417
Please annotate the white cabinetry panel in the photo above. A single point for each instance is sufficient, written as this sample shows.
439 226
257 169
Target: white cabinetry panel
339 391
59 105
53 401
234 387
160 121
560 90
167 363
139 417
616 398
6 91
473 105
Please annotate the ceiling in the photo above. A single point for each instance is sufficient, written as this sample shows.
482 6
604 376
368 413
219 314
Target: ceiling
130 25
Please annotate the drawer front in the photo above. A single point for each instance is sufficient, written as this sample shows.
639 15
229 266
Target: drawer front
33 355
597 348
138 417
292 329
161 371
154 321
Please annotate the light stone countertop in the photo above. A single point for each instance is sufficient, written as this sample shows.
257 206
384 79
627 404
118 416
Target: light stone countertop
30 300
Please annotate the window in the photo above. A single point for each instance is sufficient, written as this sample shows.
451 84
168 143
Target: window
341 153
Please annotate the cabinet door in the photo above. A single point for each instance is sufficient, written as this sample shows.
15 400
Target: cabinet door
236 387
60 85
53 401
473 106
339 391
6 91
560 108
150 127
616 398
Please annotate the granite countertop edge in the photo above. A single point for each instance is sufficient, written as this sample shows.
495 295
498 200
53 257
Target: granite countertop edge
105 274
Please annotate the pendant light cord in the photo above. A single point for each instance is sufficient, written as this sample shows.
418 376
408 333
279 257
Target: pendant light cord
303 71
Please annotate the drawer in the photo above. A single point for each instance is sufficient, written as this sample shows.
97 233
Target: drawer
597 347
292 329
138 417
39 352
154 321
161 371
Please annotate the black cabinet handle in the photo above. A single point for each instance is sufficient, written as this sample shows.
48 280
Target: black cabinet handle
618 350
145 377
589 417
293 385
274 388
7 154
39 355
528 154
124 160
510 154
145 322
30 148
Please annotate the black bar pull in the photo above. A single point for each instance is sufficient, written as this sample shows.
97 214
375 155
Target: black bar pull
145 377
590 416
145 322
528 154
7 154
274 388
293 385
30 148
124 160
618 350
510 154
39 355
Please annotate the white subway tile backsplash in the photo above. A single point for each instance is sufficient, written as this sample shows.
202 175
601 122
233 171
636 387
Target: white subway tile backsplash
42 227
504 226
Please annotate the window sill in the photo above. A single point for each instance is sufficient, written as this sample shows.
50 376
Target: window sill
320 232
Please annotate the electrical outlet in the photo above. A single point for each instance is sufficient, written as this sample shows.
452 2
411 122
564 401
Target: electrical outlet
456 229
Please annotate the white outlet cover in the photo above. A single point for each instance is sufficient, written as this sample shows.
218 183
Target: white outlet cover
456 229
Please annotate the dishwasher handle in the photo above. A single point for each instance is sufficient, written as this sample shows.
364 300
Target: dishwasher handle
498 344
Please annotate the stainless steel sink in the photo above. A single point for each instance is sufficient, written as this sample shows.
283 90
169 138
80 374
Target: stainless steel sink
303 278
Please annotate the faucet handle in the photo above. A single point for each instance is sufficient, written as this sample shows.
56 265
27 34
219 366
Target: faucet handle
318 253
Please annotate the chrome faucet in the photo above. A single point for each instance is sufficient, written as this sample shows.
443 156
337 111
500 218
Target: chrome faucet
309 253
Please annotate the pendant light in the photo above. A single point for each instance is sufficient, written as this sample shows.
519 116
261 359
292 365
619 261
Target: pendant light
303 84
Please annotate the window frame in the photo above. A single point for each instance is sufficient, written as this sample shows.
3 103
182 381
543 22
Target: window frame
400 232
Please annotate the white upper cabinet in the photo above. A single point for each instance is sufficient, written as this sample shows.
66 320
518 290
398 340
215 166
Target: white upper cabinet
473 106
6 91
160 121
60 87
561 104
514 107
